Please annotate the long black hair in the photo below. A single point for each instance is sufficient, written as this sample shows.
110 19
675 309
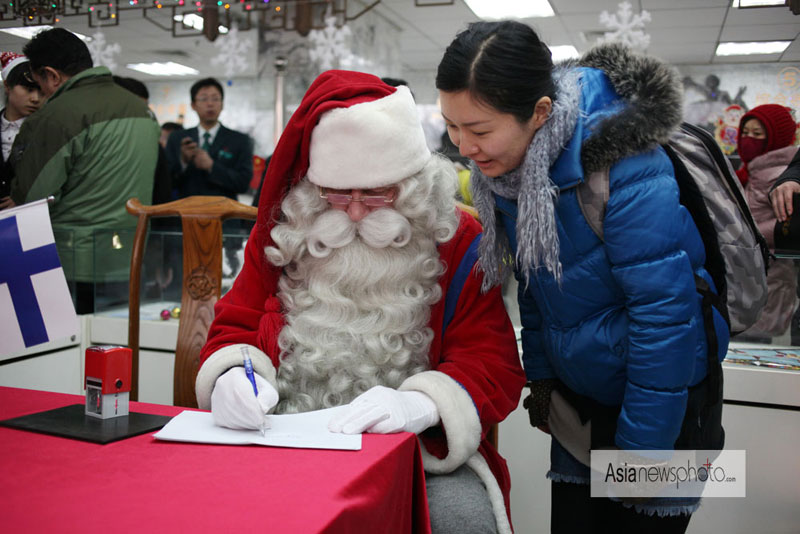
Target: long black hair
503 64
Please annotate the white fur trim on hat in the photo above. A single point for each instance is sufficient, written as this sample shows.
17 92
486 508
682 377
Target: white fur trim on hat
226 358
368 145
459 419
8 65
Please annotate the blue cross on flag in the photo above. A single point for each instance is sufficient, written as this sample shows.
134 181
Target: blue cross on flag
35 304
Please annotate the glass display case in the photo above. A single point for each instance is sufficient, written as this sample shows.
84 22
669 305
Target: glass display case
65 245
101 277
111 261
159 297
162 268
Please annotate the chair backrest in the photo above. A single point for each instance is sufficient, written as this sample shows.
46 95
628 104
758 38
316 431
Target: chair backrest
201 220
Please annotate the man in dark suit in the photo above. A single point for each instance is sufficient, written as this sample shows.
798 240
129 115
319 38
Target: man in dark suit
209 159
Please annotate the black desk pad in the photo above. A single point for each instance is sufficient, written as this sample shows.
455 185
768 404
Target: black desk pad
72 422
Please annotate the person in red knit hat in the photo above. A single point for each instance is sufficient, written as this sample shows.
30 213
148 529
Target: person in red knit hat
763 129
766 146
359 290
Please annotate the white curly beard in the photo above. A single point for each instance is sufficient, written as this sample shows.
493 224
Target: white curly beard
357 298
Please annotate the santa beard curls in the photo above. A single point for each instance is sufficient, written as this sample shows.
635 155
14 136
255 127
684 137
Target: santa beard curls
358 295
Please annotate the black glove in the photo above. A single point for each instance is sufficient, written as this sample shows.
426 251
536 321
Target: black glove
538 402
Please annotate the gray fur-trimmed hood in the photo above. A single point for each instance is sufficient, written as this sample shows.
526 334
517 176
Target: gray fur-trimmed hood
654 95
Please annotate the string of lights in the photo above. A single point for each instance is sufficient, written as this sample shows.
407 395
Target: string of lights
248 14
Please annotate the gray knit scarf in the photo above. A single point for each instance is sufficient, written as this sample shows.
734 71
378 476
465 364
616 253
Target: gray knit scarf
530 185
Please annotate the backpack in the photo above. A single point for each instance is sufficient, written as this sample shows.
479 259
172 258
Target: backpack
737 254
737 258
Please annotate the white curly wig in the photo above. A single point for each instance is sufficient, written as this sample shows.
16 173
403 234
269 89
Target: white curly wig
358 295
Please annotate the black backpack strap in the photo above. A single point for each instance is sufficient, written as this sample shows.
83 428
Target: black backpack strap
714 369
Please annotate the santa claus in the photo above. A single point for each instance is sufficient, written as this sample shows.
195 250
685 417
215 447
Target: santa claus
359 289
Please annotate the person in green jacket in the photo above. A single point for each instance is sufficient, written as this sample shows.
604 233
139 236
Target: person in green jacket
92 146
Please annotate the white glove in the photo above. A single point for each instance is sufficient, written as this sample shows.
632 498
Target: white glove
235 405
383 410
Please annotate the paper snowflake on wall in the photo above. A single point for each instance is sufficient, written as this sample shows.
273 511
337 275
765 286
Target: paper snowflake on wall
354 62
625 27
233 53
102 52
330 48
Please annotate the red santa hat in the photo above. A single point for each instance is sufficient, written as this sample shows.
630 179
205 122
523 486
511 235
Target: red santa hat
777 121
369 144
9 60
351 131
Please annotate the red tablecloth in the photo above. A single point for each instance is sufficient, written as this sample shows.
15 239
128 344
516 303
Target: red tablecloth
53 484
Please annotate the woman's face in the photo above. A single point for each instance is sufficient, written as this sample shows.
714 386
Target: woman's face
494 140
754 128
22 101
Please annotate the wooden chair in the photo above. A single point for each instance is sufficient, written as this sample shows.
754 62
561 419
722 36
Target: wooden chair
201 219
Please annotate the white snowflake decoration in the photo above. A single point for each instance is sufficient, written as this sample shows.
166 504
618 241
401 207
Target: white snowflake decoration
330 45
625 27
355 62
103 53
233 53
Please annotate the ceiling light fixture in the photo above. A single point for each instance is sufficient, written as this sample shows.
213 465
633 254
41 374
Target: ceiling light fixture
757 3
563 52
27 32
196 21
163 69
290 15
514 9
747 49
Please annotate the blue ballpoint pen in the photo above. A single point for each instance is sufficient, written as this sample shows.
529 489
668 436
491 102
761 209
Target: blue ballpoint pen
248 370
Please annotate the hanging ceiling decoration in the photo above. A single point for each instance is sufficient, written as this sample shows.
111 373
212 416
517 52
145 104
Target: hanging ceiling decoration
296 15
31 9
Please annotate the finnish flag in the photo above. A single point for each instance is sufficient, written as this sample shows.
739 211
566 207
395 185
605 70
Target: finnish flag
35 304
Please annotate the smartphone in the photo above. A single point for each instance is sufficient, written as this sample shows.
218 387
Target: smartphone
5 186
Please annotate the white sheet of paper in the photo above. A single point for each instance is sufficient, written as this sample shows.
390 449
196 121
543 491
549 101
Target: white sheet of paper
304 431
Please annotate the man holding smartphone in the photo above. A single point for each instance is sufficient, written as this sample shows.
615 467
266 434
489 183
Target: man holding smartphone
209 159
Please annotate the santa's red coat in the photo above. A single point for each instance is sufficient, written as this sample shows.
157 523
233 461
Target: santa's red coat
475 379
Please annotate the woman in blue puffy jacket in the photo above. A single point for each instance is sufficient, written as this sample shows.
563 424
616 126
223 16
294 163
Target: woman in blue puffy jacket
613 334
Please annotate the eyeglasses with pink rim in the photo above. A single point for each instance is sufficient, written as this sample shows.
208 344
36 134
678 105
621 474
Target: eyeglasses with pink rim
373 198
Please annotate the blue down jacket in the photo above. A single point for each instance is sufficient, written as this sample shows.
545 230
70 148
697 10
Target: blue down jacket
625 326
